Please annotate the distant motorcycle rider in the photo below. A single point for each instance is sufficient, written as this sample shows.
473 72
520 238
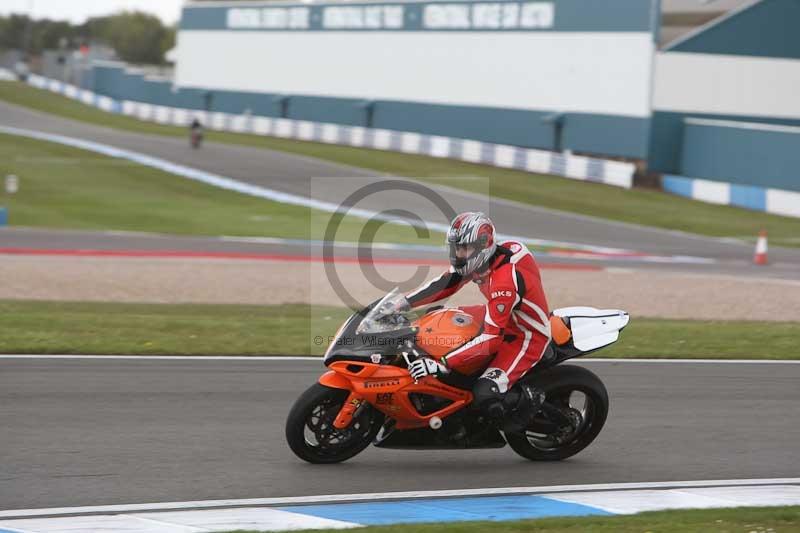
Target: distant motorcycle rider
516 325
196 133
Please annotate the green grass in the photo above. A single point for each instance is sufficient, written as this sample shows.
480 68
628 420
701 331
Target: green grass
116 328
739 520
63 187
639 206
647 337
149 329
24 95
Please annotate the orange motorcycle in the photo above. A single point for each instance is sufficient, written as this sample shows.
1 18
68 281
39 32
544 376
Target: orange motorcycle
368 396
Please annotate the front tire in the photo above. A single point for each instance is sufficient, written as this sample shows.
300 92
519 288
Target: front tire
564 386
310 432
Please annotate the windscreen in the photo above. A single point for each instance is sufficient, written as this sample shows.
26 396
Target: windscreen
389 314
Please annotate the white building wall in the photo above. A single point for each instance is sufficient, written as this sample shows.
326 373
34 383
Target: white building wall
727 85
587 72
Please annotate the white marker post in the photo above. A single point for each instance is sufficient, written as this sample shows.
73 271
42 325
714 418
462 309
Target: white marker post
12 184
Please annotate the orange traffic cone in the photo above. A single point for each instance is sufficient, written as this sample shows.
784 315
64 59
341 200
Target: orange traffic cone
760 257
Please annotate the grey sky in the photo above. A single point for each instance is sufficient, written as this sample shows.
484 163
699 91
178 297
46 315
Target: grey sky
78 11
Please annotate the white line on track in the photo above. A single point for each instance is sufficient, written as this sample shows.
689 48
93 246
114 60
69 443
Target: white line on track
384 496
319 359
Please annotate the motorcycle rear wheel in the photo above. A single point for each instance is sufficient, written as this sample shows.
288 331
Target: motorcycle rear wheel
310 432
564 387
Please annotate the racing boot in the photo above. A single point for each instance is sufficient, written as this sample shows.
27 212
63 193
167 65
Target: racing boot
521 405
489 401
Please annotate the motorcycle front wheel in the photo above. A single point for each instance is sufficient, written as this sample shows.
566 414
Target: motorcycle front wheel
574 411
310 432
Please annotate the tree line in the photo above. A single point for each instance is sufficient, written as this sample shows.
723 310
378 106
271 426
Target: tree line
136 37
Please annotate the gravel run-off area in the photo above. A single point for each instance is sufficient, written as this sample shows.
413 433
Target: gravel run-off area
174 280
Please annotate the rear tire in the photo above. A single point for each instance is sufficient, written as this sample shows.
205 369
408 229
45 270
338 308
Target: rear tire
560 384
310 432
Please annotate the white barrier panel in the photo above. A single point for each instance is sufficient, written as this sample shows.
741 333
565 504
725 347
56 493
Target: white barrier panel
775 201
129 108
410 143
618 174
239 123
330 133
87 97
180 117
162 114
382 139
283 128
37 81
7 75
145 111
440 146
262 125
106 104
357 136
614 173
786 203
218 121
305 131
577 168
713 192
504 156
538 162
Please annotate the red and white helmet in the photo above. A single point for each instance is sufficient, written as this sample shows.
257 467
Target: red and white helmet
474 231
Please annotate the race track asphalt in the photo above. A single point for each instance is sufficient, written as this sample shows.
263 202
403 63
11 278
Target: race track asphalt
91 432
331 182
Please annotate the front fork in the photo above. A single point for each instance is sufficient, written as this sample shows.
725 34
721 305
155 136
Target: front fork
352 406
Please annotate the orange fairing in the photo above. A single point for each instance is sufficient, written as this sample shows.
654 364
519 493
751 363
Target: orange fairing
334 380
387 388
440 332
559 330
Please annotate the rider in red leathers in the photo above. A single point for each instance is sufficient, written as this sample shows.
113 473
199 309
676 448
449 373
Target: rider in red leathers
516 325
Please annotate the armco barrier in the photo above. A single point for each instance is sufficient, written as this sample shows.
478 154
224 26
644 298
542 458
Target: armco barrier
614 173
775 201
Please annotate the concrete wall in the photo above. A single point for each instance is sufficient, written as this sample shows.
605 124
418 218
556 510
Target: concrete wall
743 153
